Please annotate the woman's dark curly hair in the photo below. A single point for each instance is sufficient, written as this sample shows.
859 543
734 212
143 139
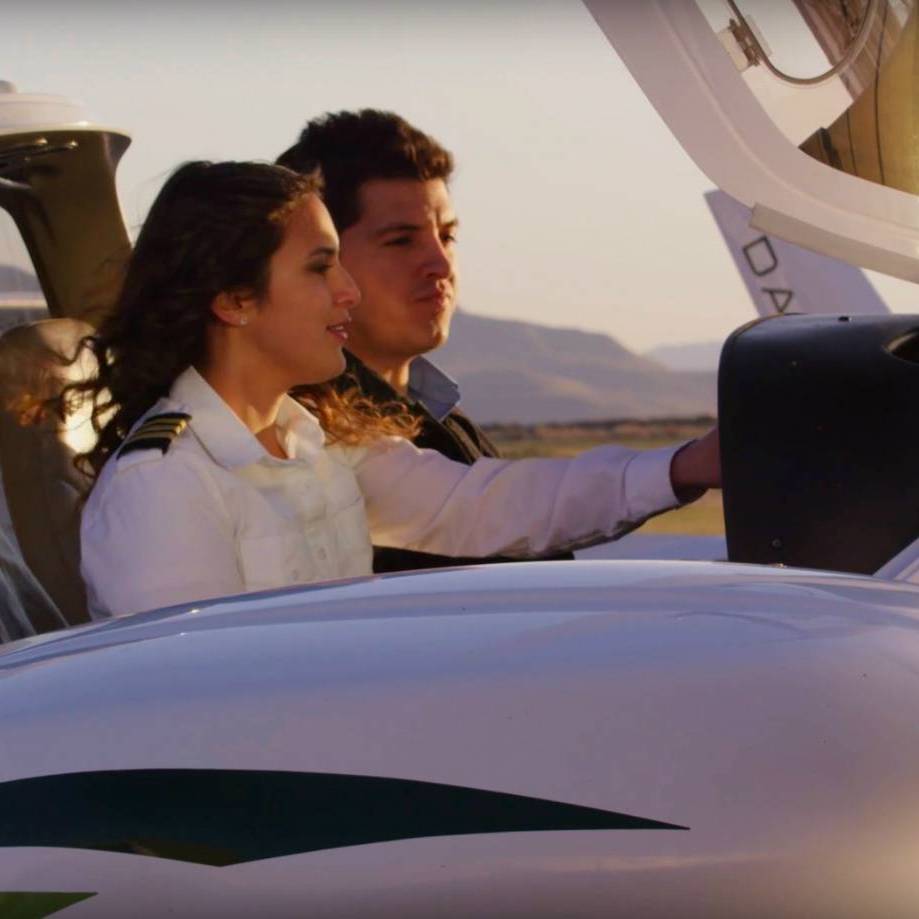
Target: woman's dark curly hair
213 228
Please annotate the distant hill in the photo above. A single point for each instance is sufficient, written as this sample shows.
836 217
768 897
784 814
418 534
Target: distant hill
18 280
21 298
700 355
521 371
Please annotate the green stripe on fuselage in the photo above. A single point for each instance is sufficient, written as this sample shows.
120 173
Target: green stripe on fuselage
36 904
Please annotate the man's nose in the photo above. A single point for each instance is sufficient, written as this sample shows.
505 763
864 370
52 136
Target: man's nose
438 261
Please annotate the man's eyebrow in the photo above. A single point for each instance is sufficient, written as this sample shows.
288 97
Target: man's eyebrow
406 227
397 228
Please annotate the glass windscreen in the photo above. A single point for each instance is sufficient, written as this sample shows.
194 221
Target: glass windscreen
21 298
875 138
839 78
805 39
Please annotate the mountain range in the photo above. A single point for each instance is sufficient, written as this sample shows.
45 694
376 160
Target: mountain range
18 280
520 371
698 355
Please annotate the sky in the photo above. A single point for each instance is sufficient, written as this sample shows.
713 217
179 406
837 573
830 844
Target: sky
577 207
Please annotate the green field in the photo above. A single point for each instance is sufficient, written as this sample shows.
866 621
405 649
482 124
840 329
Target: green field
702 518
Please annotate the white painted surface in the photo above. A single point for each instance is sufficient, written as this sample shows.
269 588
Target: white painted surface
38 113
729 134
763 708
32 111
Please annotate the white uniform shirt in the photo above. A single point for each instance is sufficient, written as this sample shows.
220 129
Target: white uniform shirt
216 514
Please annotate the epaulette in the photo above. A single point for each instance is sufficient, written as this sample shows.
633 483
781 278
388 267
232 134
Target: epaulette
156 433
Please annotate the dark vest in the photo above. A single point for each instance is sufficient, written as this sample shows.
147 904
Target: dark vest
456 437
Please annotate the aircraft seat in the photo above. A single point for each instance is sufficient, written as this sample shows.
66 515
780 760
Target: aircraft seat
41 486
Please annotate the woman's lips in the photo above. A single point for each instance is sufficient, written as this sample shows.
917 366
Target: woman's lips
339 331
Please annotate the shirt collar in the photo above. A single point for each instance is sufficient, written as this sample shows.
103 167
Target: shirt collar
301 434
430 386
222 433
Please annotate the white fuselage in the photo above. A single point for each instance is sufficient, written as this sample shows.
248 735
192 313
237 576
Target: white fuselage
767 711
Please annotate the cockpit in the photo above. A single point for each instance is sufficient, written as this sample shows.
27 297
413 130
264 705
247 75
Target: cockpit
803 111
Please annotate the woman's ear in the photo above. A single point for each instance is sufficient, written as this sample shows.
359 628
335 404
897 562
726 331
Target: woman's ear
233 309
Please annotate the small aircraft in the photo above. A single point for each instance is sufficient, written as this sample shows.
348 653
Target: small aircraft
589 739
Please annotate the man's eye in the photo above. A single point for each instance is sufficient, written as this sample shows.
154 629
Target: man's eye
398 241
448 238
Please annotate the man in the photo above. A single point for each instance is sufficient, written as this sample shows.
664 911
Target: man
386 188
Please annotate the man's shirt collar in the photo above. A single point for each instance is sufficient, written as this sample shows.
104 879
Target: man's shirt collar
430 386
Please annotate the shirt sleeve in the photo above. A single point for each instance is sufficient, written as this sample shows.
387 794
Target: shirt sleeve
158 535
419 499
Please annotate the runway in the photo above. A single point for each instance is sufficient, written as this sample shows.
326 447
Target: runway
639 545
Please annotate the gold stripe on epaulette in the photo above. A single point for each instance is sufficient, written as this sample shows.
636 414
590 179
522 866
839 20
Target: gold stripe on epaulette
157 432
159 427
165 419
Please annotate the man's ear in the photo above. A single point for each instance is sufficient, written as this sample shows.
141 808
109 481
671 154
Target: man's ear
232 308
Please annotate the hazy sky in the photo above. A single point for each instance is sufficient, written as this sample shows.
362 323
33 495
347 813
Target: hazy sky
577 207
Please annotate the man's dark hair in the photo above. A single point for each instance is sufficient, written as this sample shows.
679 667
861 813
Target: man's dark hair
351 148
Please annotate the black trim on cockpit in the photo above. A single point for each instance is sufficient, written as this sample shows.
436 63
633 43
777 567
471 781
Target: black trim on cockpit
228 816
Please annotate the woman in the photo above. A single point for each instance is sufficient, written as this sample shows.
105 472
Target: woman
213 481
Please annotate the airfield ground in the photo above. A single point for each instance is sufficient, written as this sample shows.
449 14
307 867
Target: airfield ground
703 518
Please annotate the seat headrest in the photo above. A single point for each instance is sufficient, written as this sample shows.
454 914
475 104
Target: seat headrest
36 361
41 486
38 358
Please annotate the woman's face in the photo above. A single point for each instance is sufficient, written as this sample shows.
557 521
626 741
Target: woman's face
297 329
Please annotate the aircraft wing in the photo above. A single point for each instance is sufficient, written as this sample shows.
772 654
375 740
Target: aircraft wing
782 277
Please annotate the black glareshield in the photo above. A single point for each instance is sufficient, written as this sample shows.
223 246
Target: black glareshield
820 440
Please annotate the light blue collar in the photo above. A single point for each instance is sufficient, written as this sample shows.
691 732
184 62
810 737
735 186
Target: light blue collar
437 392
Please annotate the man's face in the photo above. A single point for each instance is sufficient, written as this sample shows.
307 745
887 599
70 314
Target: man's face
401 255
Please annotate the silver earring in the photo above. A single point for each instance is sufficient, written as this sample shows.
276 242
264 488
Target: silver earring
243 320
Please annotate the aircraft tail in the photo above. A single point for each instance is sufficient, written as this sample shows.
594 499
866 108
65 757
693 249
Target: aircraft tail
784 278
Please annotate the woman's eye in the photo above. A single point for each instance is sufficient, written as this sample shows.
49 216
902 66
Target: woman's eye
321 268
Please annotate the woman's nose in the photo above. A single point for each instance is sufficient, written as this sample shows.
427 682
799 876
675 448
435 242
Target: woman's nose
348 293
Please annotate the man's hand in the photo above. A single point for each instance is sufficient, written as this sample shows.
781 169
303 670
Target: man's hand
697 467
